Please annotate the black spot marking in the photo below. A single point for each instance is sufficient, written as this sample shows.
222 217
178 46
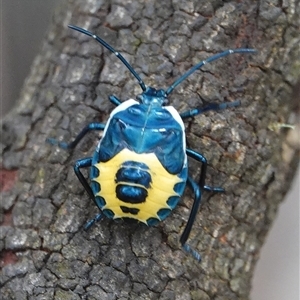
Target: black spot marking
173 201
109 213
129 210
94 172
100 201
131 163
179 187
95 187
163 213
134 175
131 194
152 221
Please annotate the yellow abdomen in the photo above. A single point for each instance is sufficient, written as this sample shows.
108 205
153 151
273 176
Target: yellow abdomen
136 186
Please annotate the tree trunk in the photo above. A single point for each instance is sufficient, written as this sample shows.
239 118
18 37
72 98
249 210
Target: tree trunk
46 254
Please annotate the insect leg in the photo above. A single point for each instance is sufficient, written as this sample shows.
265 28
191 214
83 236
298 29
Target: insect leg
114 100
189 225
211 106
84 131
199 157
85 163
91 222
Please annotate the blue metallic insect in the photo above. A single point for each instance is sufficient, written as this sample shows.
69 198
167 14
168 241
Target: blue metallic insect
139 169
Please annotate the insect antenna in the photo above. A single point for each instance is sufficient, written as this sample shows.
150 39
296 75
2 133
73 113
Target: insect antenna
203 62
111 49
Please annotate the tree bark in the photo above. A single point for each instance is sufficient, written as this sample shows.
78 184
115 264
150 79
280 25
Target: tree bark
46 254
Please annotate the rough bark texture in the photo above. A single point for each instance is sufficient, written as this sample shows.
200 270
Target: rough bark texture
45 252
